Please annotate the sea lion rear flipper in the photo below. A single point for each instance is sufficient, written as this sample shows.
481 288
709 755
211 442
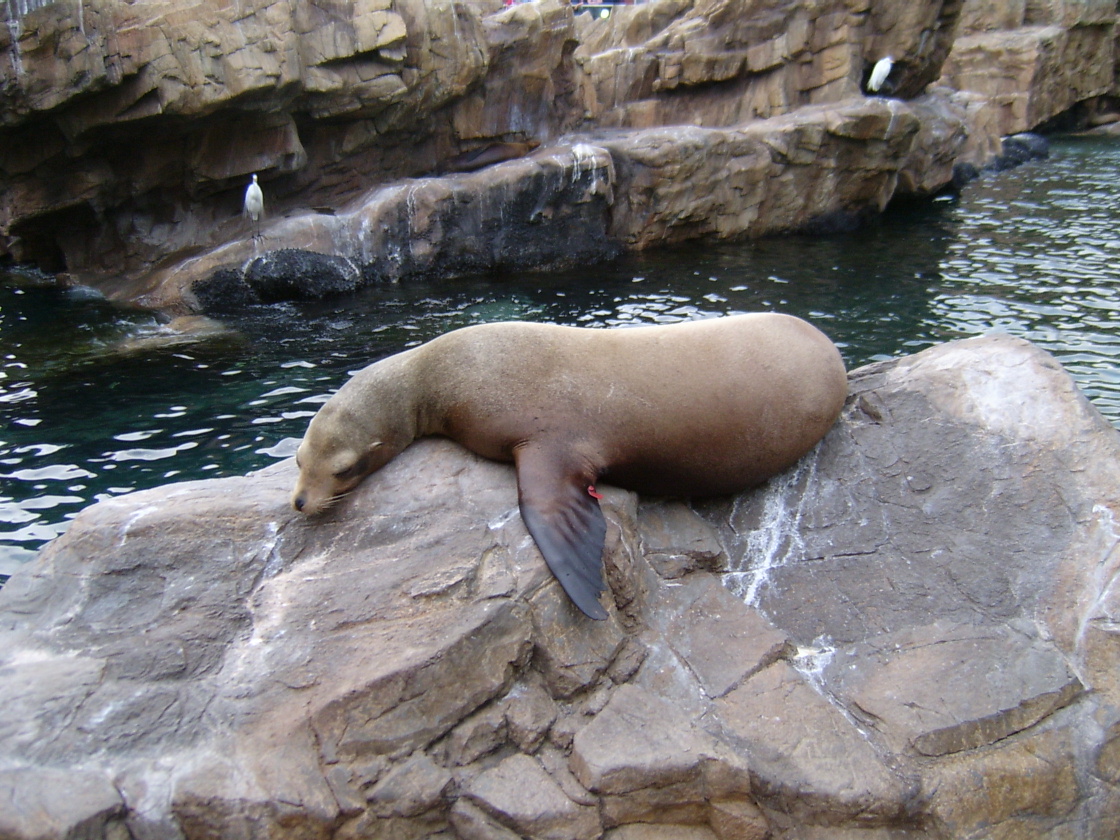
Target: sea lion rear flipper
565 521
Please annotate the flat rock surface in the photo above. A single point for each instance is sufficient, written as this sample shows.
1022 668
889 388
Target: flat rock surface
912 630
906 683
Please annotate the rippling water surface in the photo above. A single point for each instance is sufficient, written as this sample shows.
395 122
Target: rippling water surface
96 402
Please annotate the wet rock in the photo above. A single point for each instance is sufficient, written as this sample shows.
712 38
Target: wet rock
182 331
732 119
910 632
1017 150
292 274
963 173
223 290
1026 146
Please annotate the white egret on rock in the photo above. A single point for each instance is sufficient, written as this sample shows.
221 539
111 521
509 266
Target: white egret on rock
254 205
879 73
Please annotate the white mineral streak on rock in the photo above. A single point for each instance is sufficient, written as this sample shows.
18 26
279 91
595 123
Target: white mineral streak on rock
777 540
1103 597
132 519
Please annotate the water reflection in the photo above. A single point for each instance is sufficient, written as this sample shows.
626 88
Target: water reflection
1032 252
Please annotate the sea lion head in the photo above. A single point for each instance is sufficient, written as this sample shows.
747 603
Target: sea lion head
336 454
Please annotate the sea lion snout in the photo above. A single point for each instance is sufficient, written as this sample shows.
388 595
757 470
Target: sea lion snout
313 492
312 501
317 489
332 460
310 506
299 502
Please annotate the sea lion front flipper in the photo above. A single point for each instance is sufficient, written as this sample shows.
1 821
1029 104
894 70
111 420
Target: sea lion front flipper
565 521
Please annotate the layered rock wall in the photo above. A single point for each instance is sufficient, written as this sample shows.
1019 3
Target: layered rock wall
577 203
1031 61
129 130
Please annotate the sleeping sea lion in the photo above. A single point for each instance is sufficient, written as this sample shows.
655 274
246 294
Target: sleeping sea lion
699 408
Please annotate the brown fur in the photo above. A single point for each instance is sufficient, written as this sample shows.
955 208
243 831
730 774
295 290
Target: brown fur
698 408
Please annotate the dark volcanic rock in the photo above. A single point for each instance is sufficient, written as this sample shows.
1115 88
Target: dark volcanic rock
1018 149
292 274
224 290
912 632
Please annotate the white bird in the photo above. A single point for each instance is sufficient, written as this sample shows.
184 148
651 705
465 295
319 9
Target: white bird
879 73
254 205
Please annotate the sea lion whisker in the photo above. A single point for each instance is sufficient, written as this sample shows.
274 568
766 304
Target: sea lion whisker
335 499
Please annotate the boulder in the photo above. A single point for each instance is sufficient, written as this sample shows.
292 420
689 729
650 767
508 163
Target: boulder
912 631
823 167
1020 148
292 274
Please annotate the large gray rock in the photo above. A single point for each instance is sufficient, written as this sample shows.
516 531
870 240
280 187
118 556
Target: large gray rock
913 630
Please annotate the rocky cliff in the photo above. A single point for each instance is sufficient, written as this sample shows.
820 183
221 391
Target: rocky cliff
128 130
912 633
1031 61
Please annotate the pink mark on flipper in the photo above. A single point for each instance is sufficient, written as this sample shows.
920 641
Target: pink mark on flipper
593 492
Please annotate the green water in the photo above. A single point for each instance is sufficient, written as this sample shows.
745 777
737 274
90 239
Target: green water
1032 252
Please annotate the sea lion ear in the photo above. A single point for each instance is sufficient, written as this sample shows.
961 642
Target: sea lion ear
373 447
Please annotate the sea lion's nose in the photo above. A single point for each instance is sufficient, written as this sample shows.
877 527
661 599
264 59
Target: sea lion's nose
298 503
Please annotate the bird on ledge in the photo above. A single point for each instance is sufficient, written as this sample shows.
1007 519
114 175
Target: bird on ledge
254 205
879 74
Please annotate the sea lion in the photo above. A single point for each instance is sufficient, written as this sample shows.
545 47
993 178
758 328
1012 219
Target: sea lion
699 408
